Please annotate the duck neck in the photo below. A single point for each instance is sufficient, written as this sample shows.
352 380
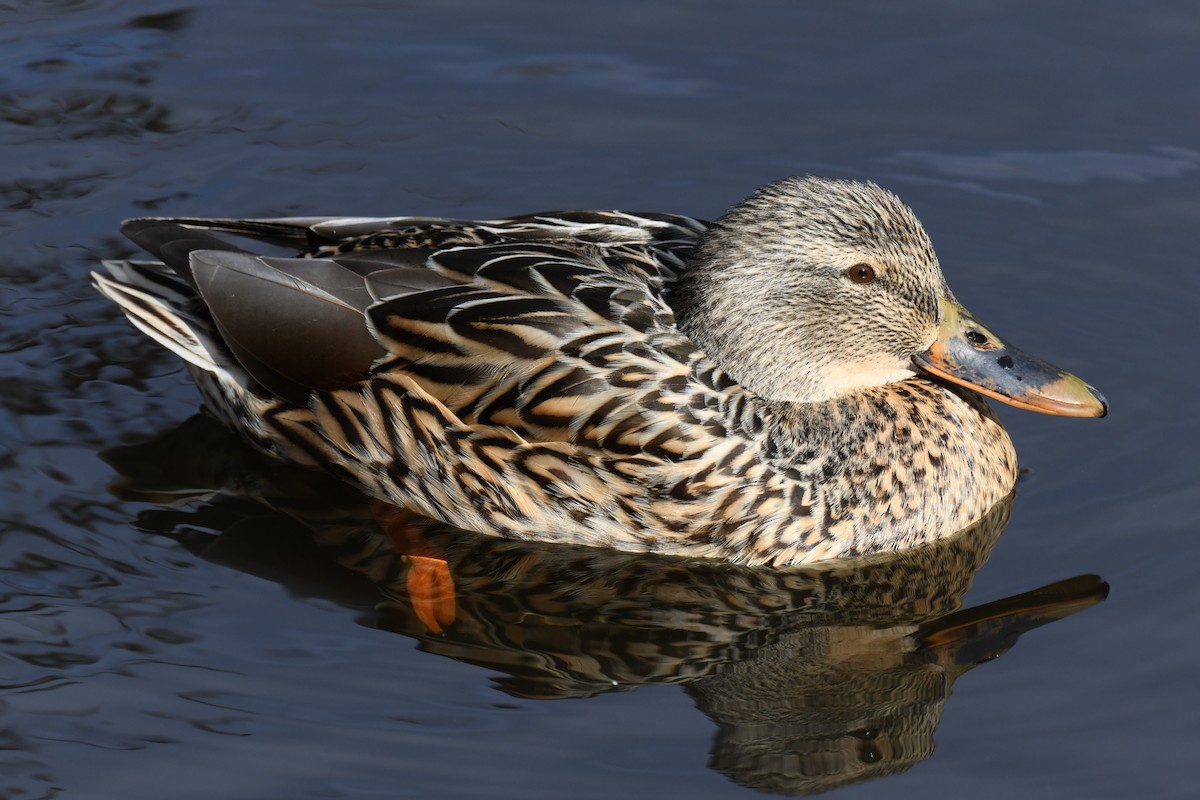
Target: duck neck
748 326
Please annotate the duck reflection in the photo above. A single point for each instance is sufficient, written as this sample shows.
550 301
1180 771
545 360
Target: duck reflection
816 677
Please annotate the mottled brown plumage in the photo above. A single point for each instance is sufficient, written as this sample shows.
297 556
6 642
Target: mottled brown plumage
527 376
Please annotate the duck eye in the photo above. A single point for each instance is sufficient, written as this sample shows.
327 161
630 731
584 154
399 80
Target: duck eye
861 273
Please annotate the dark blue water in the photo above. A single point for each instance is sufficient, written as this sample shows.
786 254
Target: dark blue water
179 619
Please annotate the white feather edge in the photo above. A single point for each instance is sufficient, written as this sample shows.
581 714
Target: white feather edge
155 318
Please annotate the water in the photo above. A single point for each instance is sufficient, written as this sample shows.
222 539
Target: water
159 638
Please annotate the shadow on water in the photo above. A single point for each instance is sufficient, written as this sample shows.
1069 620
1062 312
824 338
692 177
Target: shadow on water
815 677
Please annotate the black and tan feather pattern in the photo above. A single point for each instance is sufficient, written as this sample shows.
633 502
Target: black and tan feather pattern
529 377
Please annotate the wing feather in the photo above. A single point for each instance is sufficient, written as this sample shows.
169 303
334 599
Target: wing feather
556 343
551 325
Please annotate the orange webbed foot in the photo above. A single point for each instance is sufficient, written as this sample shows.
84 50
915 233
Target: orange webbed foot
429 583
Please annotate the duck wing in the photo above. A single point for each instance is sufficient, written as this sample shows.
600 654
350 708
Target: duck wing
555 342
557 329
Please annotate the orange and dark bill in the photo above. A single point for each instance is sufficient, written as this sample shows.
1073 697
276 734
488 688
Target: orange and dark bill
970 355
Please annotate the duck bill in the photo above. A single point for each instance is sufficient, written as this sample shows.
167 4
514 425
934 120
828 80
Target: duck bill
970 355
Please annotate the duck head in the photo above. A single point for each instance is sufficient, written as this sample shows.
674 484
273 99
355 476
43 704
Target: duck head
811 289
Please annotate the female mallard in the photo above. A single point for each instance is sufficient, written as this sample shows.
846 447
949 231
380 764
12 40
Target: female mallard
781 386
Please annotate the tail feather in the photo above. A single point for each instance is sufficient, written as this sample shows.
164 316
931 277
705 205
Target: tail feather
156 303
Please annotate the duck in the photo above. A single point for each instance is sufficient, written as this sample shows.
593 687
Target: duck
791 383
